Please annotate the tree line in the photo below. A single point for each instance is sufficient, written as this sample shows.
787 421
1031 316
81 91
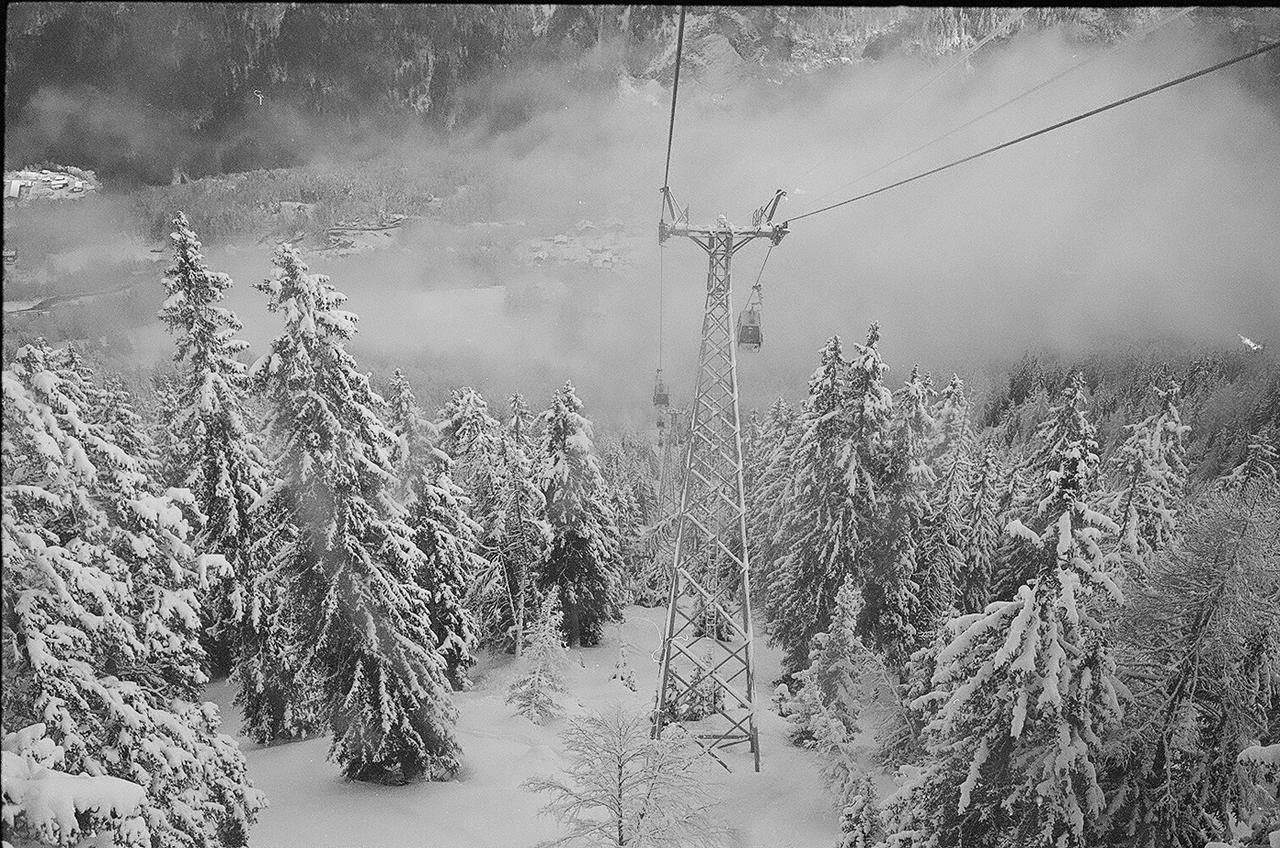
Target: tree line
341 553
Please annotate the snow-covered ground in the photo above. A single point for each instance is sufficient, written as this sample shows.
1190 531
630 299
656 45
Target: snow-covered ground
311 806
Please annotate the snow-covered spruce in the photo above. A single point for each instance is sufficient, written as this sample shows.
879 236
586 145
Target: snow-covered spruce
347 562
442 531
901 599
630 478
765 499
1149 473
979 515
625 790
1025 693
583 564
534 693
831 495
505 502
55 808
861 825
824 713
101 612
523 535
210 448
1064 431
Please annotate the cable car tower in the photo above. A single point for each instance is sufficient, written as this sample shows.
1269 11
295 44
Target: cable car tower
707 671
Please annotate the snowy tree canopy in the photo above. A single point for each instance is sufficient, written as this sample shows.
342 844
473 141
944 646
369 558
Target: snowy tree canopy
213 447
359 617
101 615
1025 692
584 560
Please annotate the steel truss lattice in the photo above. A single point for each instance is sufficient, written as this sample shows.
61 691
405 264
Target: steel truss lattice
706 677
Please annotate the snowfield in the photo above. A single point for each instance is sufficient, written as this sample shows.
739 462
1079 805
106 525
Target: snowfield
313 806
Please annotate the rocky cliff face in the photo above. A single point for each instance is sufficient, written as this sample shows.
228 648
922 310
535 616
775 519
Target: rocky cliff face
150 92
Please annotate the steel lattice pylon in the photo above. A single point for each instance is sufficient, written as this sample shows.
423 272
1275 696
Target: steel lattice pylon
707 671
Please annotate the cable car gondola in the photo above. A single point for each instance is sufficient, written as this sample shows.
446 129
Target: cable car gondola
661 398
750 333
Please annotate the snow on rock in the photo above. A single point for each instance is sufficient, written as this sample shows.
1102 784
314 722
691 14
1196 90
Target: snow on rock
784 806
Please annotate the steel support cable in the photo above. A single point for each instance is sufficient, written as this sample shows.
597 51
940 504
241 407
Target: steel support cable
964 56
1048 129
666 176
1093 56
675 90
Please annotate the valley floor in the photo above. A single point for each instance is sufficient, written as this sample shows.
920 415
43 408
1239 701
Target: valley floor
786 805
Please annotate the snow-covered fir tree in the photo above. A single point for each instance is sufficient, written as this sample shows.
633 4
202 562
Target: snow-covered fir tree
583 564
208 438
1025 693
113 406
979 543
361 618
765 499
861 825
629 492
1065 427
902 599
523 532
1261 465
1201 655
447 537
534 694
472 438
1149 472
168 401
824 713
954 434
100 619
830 499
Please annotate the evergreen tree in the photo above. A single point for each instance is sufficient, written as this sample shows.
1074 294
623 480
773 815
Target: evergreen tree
169 470
1064 430
442 531
824 713
112 405
902 599
860 824
534 693
979 542
524 531
765 498
350 566
824 512
626 483
1026 692
1150 471
100 619
472 439
583 562
954 434
211 448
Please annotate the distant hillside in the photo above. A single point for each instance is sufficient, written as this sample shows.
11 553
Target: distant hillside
150 93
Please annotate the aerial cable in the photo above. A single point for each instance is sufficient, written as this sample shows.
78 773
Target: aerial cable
675 90
963 57
1091 57
666 198
1048 129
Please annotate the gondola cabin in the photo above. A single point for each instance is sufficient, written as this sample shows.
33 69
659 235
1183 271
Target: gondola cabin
660 396
749 332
